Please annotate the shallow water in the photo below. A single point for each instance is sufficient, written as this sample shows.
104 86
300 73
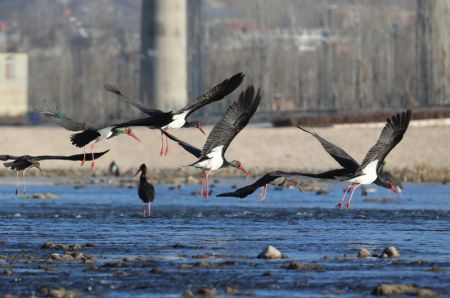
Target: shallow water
226 234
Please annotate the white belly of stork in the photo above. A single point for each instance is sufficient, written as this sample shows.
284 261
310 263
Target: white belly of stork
214 161
369 174
177 122
105 133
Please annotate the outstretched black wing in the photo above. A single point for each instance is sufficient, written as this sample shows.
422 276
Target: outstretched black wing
234 120
147 110
249 189
342 157
156 121
7 157
66 122
214 94
68 157
188 147
390 136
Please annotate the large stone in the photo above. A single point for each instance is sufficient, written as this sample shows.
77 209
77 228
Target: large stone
390 252
402 289
270 252
363 253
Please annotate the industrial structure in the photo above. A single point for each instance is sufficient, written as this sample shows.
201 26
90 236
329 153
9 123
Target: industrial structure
313 57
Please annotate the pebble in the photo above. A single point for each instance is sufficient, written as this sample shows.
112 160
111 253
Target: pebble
299 266
402 289
270 252
363 253
188 294
390 252
44 196
209 292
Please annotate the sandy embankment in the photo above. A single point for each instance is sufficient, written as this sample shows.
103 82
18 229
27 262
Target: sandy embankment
257 148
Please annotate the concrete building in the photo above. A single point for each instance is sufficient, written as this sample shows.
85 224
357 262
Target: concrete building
13 84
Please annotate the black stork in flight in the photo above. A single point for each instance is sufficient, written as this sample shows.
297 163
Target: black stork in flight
278 178
212 156
175 120
146 190
370 170
88 132
25 162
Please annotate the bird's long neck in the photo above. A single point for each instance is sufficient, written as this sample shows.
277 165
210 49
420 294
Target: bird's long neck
144 175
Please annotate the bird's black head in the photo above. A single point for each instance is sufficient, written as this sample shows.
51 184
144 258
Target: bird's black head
195 124
142 168
238 165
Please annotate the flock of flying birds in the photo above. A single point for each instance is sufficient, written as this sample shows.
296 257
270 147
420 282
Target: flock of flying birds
212 156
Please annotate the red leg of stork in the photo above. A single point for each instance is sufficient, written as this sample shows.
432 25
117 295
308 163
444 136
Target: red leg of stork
93 160
24 187
162 145
200 193
351 196
262 194
84 156
347 188
17 184
207 185
167 147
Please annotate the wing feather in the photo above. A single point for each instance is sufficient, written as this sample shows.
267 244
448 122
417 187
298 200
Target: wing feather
147 110
216 93
66 122
342 157
186 146
233 121
75 157
390 136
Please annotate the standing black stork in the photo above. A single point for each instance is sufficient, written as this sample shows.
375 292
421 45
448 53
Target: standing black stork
146 190
175 120
212 156
25 162
351 170
88 132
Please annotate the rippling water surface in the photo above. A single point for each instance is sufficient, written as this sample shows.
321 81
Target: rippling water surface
218 241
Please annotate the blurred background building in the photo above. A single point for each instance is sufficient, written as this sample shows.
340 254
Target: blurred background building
329 57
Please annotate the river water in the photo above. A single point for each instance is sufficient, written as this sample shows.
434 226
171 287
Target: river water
190 243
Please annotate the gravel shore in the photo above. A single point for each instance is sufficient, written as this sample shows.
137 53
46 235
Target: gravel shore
257 148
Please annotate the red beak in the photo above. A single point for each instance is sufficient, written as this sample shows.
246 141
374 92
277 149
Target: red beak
201 129
394 189
131 134
244 171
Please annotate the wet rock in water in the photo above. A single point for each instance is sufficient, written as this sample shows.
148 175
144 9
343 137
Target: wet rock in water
363 253
270 252
188 294
390 252
114 264
9 296
178 246
380 200
63 293
321 191
157 270
7 272
185 266
92 268
208 292
267 273
44 196
402 289
437 269
304 267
